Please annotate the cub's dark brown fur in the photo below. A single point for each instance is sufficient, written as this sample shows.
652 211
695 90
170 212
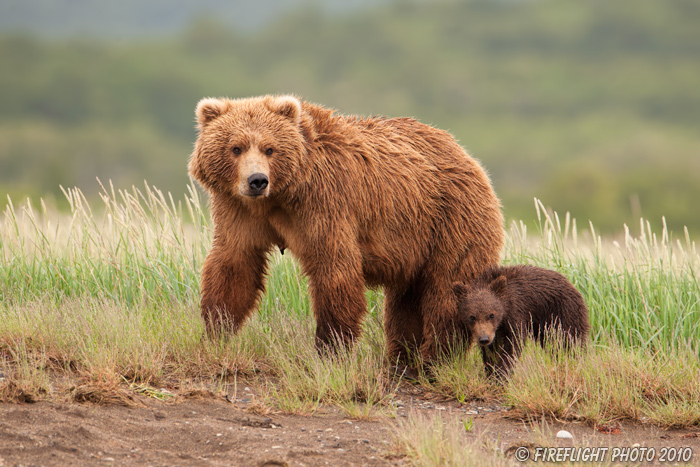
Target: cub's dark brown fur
505 304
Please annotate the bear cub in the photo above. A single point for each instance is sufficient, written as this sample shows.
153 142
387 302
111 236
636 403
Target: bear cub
506 304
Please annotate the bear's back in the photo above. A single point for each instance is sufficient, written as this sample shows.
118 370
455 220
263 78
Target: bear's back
408 189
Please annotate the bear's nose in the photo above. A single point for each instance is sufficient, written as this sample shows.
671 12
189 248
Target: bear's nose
483 340
257 182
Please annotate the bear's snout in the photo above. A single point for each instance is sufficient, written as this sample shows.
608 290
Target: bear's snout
257 183
484 340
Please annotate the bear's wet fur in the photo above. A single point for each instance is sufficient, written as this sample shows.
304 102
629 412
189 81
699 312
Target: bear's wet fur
359 201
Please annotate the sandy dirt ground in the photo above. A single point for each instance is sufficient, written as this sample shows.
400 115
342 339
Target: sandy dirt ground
217 431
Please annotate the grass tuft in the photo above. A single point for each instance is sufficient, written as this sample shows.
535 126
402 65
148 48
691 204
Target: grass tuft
460 375
434 441
604 384
105 388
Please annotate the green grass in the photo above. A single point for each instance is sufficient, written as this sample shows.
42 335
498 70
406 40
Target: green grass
102 305
141 246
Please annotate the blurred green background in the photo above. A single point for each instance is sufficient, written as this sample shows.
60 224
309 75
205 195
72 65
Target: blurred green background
592 106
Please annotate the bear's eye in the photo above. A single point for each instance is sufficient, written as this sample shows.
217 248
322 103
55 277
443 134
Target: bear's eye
491 316
268 151
472 319
237 151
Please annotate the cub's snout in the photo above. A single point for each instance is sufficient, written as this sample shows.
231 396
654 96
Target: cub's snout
485 340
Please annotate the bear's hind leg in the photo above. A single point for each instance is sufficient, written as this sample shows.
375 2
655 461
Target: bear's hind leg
439 311
403 323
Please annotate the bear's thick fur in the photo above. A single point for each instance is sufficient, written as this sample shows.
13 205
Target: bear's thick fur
379 201
504 305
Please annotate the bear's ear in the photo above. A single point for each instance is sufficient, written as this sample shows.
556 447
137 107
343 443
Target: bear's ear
286 106
498 285
460 289
208 109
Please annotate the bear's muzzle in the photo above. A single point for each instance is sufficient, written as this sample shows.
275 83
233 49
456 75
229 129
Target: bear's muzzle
257 184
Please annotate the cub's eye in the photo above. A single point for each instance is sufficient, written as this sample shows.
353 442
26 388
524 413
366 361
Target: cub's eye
472 319
237 151
268 151
491 316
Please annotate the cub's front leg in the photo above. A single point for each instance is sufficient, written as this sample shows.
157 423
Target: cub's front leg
498 357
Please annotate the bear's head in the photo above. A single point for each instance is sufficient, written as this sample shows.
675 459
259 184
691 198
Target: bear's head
480 308
249 148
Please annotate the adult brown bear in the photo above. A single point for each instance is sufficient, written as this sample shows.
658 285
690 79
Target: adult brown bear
359 201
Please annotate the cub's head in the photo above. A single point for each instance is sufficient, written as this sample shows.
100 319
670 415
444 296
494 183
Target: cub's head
480 308
249 148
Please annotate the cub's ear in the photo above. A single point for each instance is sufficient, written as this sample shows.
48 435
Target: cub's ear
286 106
460 289
208 109
498 285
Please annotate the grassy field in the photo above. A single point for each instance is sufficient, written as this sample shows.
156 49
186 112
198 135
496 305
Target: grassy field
102 304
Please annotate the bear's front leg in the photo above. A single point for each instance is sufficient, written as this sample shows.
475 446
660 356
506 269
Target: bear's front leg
339 307
490 359
232 282
500 355
496 360
337 290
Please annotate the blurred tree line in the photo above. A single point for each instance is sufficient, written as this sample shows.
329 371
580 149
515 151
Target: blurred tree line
592 106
